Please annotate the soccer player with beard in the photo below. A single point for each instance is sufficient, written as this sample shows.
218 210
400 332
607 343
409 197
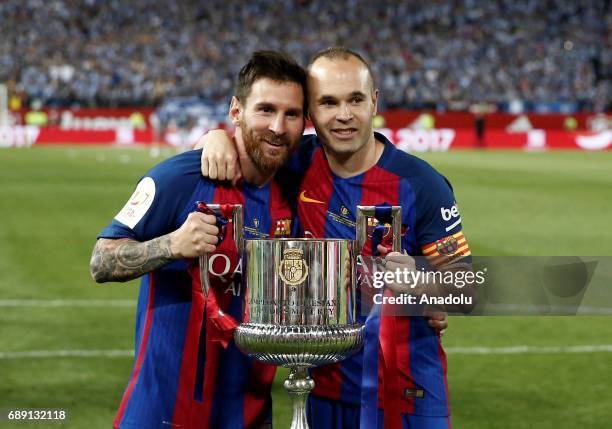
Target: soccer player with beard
188 372
399 381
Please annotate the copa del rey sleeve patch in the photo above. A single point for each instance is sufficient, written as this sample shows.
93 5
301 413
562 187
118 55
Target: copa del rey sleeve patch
138 204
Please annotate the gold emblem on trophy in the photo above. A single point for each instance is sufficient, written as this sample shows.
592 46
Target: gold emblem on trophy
292 268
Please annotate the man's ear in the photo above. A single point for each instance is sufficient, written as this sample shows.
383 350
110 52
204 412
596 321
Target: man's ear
235 111
375 102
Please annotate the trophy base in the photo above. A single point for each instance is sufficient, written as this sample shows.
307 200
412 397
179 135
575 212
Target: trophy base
299 346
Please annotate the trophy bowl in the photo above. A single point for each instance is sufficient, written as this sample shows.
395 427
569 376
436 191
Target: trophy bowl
300 308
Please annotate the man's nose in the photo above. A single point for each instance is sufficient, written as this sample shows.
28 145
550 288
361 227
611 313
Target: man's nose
345 113
277 126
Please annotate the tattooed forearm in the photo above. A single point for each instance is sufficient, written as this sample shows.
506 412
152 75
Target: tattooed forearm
124 259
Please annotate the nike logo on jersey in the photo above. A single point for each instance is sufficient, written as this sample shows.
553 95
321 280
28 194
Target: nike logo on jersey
305 199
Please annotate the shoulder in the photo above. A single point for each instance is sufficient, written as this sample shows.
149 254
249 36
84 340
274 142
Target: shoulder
160 197
179 174
308 145
178 167
418 172
300 160
309 141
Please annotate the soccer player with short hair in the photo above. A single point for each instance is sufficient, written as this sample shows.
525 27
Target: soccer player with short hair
188 372
399 379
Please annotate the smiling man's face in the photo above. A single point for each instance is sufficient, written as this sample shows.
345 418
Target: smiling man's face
271 122
342 103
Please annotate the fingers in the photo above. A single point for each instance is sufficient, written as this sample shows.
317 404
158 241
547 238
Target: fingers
204 164
237 175
438 324
202 217
230 171
202 248
219 155
401 261
212 170
227 166
382 250
402 265
198 235
401 258
220 166
200 143
208 225
437 319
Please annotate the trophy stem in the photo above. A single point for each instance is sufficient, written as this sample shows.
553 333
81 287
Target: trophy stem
298 385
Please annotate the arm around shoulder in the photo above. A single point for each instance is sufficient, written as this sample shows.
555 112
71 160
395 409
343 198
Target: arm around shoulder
219 156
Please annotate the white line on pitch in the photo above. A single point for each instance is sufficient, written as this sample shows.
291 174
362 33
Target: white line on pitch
67 303
536 310
39 354
528 349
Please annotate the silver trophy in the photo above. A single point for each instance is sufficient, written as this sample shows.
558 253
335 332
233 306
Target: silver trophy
300 309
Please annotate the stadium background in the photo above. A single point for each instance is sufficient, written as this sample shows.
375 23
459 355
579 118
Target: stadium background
528 76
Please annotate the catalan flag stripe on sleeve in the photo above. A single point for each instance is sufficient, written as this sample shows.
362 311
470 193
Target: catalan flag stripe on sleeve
446 250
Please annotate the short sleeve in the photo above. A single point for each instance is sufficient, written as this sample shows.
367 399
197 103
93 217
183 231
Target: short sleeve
157 203
438 223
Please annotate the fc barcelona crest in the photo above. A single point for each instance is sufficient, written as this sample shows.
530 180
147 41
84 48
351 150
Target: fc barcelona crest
283 228
447 246
293 269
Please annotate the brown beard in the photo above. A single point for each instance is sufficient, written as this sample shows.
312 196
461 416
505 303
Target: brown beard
253 144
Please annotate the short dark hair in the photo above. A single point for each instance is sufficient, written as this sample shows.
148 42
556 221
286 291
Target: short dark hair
273 65
344 53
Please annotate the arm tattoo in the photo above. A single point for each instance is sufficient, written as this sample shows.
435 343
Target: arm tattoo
124 259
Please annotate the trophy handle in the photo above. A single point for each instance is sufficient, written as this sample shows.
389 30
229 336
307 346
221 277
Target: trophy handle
237 222
384 214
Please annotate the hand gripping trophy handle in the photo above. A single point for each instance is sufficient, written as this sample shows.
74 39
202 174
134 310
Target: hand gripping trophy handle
384 214
224 210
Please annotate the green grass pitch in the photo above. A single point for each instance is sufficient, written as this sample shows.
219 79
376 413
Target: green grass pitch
53 202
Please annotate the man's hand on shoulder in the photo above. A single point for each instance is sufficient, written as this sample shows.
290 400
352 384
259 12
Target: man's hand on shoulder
219 156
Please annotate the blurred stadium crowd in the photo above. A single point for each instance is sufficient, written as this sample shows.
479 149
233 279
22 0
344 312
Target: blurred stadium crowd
440 54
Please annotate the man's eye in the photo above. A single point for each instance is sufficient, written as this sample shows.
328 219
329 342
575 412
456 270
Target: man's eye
356 100
265 110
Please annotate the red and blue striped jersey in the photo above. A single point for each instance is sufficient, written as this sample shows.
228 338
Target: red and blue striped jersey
327 208
187 371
